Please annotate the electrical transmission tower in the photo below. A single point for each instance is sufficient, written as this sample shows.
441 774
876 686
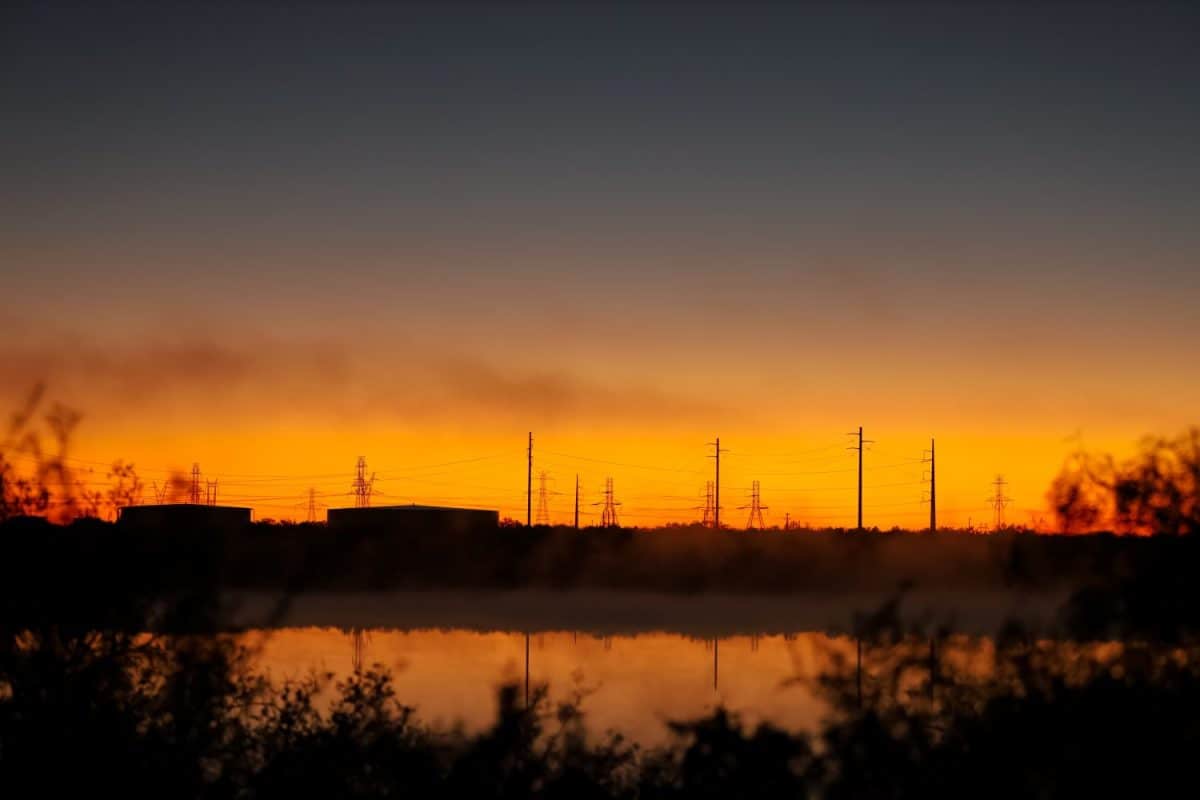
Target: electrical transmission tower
312 504
716 518
755 523
999 501
543 509
929 457
210 493
608 516
194 489
707 519
363 485
859 448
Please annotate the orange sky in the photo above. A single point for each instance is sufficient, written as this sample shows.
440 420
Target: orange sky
268 422
271 242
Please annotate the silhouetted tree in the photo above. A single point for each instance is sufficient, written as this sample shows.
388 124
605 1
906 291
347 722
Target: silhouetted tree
1157 491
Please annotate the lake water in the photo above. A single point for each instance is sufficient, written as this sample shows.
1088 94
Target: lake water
630 683
637 661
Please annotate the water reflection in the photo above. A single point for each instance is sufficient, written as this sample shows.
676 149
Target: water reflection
631 683
633 669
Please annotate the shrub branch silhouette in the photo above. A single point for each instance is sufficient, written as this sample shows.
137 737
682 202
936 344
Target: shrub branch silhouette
49 486
1157 491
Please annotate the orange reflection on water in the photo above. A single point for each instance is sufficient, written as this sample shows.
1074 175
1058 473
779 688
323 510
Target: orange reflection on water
632 683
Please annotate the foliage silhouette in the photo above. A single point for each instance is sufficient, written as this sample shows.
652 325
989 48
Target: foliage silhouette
1157 491
152 714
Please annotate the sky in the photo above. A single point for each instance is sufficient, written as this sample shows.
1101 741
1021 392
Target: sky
273 237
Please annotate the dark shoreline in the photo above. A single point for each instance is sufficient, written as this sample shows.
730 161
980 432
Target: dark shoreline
673 560
83 570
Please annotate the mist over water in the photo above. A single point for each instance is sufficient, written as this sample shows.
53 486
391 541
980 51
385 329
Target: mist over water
634 613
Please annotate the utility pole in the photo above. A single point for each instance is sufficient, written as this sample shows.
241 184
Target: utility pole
717 483
576 501
859 448
931 459
787 521
932 487
529 484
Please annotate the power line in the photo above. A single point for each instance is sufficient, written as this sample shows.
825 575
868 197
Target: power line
623 463
907 463
543 512
790 456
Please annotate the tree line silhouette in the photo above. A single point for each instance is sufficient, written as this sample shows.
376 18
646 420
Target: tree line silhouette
1155 492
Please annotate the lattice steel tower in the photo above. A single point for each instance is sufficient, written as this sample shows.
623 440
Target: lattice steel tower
608 516
363 485
999 501
755 523
709 506
543 505
194 489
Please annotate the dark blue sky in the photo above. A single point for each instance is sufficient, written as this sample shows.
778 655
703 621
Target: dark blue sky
172 120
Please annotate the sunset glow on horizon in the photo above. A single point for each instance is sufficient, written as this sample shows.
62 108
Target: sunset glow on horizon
384 232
